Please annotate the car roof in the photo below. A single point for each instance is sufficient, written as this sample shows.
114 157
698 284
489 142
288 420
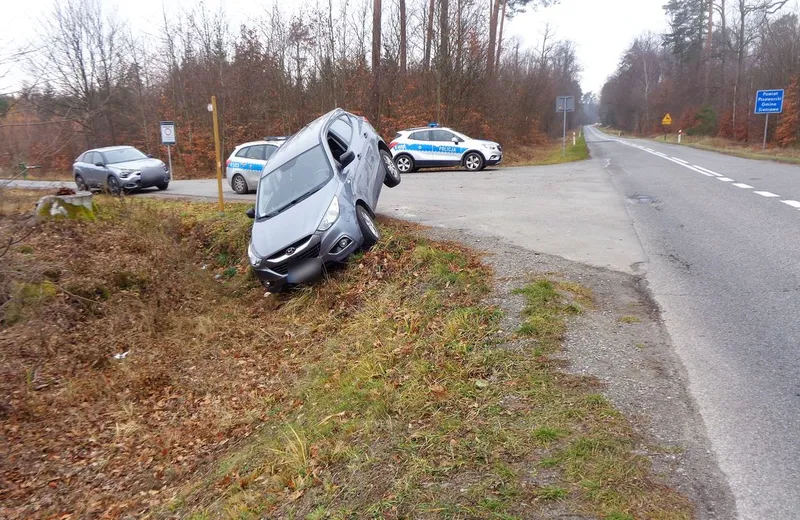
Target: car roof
428 128
108 148
304 139
262 141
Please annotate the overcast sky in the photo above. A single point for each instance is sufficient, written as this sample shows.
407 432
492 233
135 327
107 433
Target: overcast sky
600 28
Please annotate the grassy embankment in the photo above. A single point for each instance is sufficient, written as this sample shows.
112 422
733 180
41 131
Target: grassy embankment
548 154
726 146
389 391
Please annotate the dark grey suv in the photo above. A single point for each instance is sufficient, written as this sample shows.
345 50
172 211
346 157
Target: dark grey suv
316 199
118 168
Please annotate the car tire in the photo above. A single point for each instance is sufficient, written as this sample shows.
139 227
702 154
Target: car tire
473 161
392 177
368 228
163 186
239 184
81 184
405 163
112 186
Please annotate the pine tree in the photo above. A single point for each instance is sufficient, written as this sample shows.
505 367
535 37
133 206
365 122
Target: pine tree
788 131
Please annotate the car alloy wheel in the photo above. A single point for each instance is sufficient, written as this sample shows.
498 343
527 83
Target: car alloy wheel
392 174
473 162
79 182
404 164
239 184
113 186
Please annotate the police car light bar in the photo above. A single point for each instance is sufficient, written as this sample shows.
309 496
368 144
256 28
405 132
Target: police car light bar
433 125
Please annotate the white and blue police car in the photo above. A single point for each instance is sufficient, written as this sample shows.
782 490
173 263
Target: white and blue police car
244 166
437 147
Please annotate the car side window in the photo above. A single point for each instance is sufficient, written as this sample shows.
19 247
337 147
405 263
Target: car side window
88 157
256 152
343 130
422 135
98 158
441 135
243 151
269 150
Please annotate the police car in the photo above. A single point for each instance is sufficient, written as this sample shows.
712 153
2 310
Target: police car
435 147
245 164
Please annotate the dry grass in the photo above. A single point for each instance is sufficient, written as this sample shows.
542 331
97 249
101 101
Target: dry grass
549 153
385 392
726 146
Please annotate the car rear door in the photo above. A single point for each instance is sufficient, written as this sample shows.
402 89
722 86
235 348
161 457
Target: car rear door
421 147
254 164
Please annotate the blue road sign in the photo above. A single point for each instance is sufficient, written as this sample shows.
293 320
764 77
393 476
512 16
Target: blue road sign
769 101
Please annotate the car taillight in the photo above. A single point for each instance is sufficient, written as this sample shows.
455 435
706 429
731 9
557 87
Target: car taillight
227 163
392 144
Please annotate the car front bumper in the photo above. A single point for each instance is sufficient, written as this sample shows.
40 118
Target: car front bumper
307 262
144 180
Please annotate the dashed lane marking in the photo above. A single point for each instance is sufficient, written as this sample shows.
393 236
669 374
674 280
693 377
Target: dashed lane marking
766 194
708 171
724 179
742 185
792 203
680 160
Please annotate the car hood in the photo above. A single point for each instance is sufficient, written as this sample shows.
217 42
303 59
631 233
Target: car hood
137 164
301 220
491 143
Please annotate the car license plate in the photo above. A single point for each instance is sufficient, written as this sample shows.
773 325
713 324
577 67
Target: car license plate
304 271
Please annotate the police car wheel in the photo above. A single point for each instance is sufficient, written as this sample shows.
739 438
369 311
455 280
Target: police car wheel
238 184
473 161
392 176
404 163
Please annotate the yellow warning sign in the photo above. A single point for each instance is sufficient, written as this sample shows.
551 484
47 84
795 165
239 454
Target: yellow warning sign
667 121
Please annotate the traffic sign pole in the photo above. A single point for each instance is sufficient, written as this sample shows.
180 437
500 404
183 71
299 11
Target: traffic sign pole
169 161
768 102
564 137
766 127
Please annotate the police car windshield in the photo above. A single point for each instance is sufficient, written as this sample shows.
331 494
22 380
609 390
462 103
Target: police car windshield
293 182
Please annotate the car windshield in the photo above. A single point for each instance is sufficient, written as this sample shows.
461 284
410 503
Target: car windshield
463 137
123 155
293 181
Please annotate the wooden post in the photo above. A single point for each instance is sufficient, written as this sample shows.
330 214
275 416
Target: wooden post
218 152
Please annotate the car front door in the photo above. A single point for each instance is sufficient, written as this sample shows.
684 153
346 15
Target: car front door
90 171
445 150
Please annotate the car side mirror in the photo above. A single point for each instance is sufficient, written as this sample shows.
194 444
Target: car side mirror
346 158
99 164
149 156
251 212
456 140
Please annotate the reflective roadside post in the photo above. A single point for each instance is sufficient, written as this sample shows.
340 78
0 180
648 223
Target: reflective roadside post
212 107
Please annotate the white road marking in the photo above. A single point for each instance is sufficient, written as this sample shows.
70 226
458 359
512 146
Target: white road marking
680 160
742 185
660 154
724 179
708 171
766 194
792 203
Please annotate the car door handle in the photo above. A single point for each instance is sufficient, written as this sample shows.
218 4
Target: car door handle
365 134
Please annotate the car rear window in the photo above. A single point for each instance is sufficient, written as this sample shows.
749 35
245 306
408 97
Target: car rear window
256 152
243 152
422 135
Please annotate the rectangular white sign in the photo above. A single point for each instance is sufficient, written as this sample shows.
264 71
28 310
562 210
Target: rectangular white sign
167 132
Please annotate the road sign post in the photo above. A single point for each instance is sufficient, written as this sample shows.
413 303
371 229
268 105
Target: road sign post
565 104
168 140
218 153
666 123
768 102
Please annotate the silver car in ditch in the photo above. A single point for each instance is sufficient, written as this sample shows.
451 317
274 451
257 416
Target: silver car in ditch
119 168
316 199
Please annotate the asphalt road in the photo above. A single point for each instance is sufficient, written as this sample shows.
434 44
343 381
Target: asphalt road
719 240
722 239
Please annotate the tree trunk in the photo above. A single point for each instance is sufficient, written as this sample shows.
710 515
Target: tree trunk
403 44
444 54
495 11
426 62
709 41
376 61
500 36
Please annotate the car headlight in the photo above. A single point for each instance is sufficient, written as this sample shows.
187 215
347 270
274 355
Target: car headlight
489 146
128 173
254 259
330 215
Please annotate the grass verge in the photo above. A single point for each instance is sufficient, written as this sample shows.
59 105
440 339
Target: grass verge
548 154
386 392
725 146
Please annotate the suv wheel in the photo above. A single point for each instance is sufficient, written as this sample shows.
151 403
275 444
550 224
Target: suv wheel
404 163
473 161
368 228
112 185
392 177
239 185
80 183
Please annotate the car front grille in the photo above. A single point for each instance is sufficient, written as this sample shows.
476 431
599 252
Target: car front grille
283 267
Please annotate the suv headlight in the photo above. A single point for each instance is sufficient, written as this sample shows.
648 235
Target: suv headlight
330 215
254 259
489 146
128 173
